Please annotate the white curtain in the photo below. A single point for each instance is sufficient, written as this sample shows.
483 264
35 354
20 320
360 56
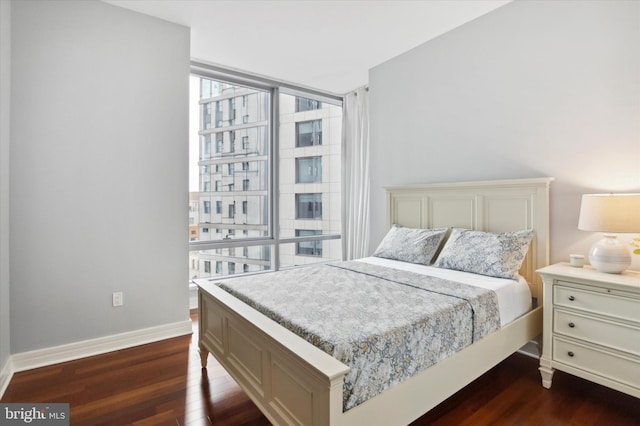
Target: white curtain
355 174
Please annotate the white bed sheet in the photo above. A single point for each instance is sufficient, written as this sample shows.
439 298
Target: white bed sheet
514 296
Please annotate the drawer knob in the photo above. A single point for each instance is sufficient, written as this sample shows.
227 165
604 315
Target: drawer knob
572 298
570 354
571 325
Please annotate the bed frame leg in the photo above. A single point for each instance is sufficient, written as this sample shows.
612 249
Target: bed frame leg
204 354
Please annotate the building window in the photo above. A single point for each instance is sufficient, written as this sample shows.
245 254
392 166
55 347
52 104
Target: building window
218 207
232 211
206 187
244 207
245 184
309 133
245 142
309 206
308 248
305 104
206 146
232 141
309 169
207 207
231 168
206 116
232 268
218 185
207 267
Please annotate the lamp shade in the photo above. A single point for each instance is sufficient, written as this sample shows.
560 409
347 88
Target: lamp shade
610 213
617 213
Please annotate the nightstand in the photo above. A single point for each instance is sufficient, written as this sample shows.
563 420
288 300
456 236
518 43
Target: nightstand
591 326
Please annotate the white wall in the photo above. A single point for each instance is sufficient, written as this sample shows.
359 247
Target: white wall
534 88
99 134
5 70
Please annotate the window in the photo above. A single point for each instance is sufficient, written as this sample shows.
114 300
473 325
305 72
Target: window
309 133
274 229
308 169
206 146
207 267
304 104
308 248
308 206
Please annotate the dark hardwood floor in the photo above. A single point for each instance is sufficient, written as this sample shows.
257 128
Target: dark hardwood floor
162 384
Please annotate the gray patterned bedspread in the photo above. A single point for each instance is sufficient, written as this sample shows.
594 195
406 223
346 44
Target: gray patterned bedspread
385 324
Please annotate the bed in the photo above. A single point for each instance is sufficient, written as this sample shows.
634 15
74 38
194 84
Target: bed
294 382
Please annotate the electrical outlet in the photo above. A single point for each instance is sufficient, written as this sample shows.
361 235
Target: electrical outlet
117 299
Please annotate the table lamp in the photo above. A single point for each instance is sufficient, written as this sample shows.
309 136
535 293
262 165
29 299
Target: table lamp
610 213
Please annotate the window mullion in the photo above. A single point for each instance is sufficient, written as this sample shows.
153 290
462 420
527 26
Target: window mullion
275 176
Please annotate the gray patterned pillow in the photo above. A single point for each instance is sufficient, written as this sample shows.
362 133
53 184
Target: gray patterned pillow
493 254
411 244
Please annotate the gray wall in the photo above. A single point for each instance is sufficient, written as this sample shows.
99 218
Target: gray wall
99 133
534 88
5 61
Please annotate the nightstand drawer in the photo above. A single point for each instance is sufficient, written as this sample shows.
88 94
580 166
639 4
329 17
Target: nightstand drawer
621 369
602 303
606 333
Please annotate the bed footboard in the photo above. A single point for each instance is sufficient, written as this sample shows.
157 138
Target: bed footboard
291 381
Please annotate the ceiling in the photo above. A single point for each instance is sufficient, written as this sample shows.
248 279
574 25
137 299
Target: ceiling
328 45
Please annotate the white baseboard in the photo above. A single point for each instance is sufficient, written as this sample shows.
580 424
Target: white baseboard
54 355
6 373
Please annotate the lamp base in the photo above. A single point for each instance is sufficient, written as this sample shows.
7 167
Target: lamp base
610 255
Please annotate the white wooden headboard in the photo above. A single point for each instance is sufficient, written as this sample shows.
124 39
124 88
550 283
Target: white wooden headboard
494 206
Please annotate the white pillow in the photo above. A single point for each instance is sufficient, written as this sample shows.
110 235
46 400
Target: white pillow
411 244
493 254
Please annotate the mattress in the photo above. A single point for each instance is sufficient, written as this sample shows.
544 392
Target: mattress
385 322
514 296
